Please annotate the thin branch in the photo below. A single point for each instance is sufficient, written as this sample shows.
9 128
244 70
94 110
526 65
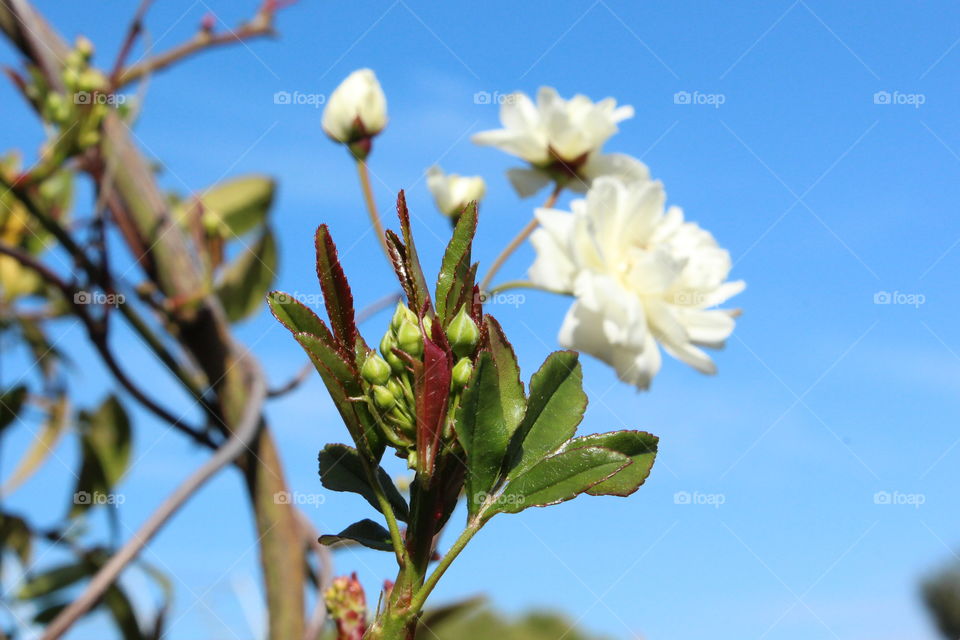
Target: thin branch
364 172
133 32
247 429
98 337
518 240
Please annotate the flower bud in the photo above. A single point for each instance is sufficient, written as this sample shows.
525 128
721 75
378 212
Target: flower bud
383 398
462 372
410 339
452 193
463 333
386 348
347 605
357 109
84 47
375 370
402 313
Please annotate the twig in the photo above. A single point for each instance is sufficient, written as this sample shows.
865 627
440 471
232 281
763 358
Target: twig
364 172
99 339
247 429
133 32
518 240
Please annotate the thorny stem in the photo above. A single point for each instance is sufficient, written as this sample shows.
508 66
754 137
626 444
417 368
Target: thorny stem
364 172
519 239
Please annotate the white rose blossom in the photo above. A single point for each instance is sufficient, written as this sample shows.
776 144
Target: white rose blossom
640 276
453 192
357 109
561 139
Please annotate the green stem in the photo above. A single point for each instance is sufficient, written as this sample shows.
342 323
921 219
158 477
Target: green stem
520 284
364 172
395 539
420 598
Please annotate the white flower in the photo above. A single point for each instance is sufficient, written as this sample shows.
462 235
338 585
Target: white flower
560 138
639 276
452 192
356 109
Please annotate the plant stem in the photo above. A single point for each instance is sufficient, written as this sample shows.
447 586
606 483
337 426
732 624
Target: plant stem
364 172
420 598
519 284
519 239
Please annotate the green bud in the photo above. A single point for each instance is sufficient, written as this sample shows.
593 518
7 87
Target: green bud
463 333
402 313
84 47
383 398
91 80
462 372
412 460
375 370
410 339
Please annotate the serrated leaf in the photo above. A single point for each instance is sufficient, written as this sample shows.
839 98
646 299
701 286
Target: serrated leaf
341 469
558 478
336 291
432 391
482 432
405 260
554 410
297 317
343 384
452 281
639 446
243 283
43 444
366 532
512 398
240 204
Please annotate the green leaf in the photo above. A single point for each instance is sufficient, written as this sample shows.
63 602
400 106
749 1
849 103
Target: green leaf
239 205
452 281
53 580
639 446
105 442
296 316
11 402
554 410
405 260
482 432
43 444
512 398
341 469
118 604
15 535
366 532
558 478
243 283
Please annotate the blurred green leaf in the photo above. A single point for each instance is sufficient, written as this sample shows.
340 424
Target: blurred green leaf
366 532
15 535
239 205
53 580
11 402
43 444
243 283
554 410
106 445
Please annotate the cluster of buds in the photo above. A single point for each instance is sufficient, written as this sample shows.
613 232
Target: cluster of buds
389 375
347 605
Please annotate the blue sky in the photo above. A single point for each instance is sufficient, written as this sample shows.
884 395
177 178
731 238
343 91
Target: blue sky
824 195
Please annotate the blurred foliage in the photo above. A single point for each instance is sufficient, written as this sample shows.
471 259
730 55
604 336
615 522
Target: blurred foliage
482 623
941 594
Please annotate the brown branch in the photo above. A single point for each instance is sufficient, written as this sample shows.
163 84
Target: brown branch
247 429
133 32
98 336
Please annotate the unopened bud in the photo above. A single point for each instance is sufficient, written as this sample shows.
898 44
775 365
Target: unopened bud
382 396
375 370
463 333
347 605
409 339
462 372
402 313
84 47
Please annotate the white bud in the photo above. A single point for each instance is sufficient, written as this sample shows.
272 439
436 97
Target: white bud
356 109
452 192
